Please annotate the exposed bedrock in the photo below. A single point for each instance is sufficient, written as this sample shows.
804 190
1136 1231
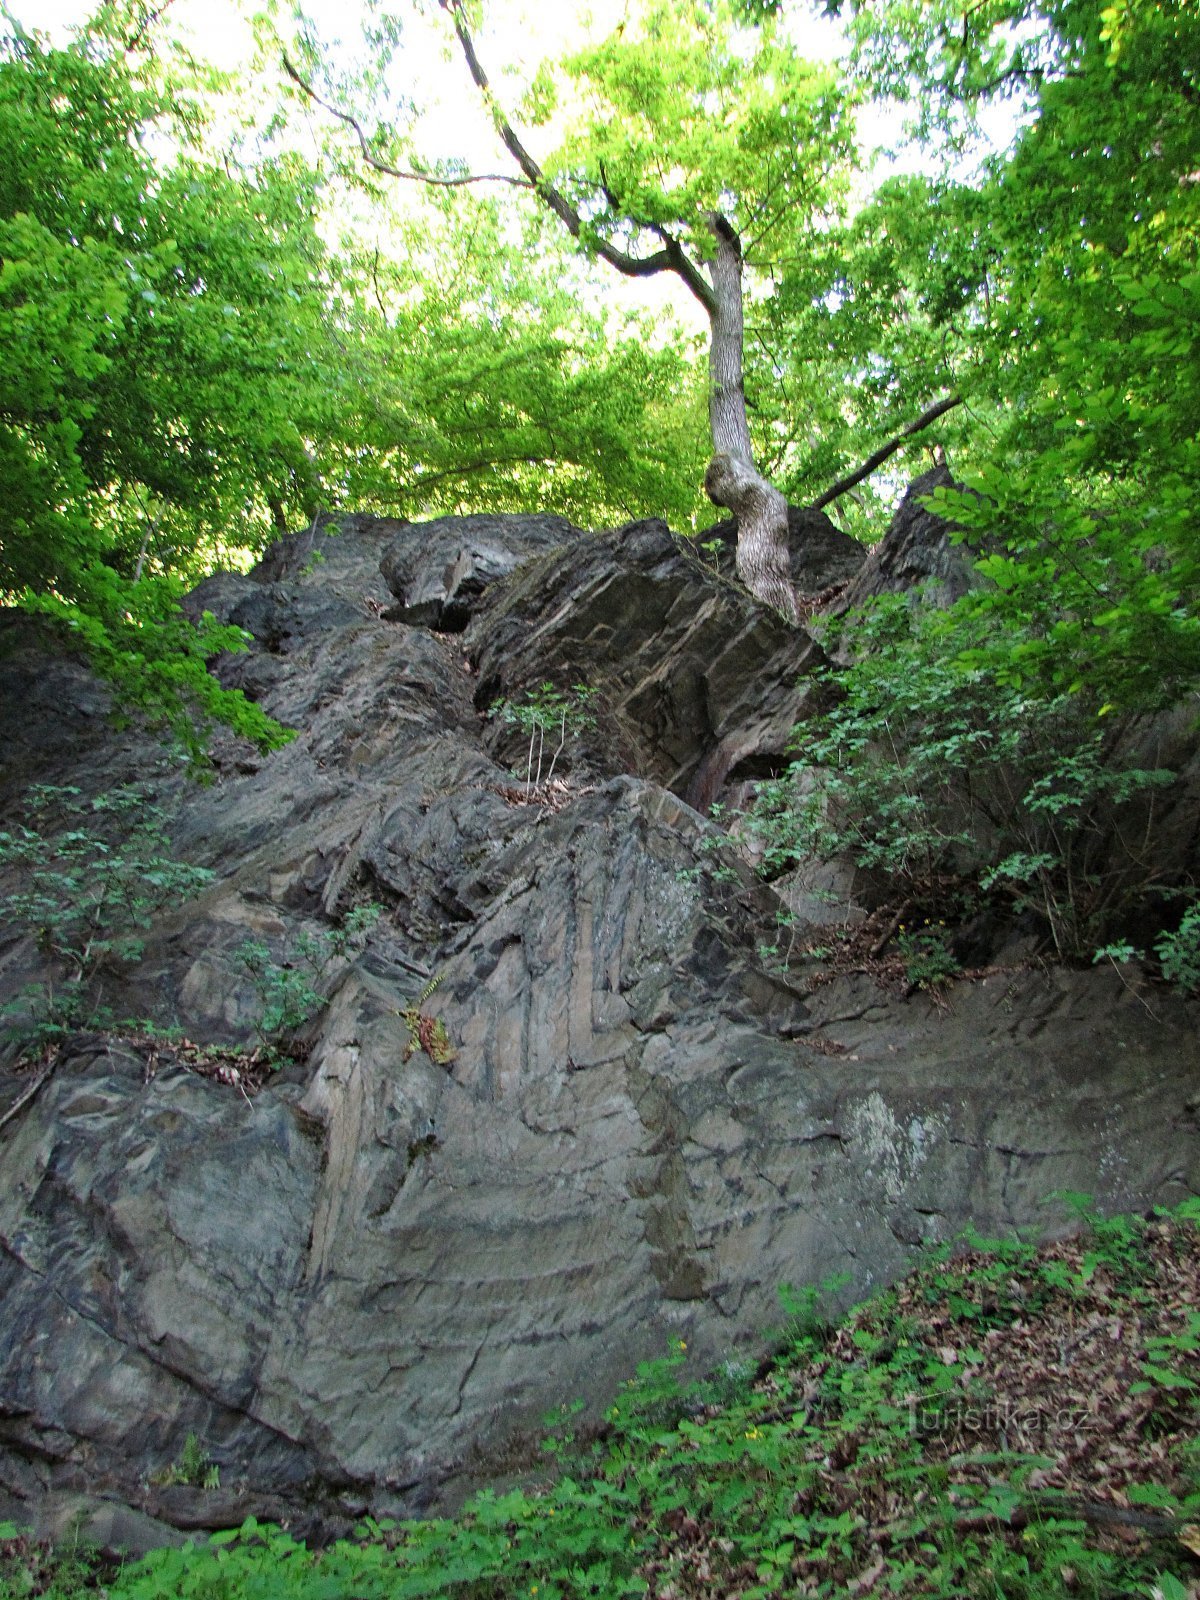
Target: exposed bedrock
364 1288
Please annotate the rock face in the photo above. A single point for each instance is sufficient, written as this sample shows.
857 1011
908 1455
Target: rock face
917 553
364 1287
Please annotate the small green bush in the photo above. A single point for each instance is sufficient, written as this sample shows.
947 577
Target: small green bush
548 713
1179 952
87 878
287 990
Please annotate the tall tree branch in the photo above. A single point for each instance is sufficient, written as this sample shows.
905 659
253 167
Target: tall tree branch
671 258
372 160
844 485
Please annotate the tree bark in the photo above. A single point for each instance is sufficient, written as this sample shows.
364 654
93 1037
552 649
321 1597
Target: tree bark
726 380
763 560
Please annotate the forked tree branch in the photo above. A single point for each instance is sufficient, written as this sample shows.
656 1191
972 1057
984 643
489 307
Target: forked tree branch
385 167
853 479
671 258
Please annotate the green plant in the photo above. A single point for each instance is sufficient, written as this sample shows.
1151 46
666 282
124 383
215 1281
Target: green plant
711 552
424 1032
1179 952
193 1468
286 998
957 785
90 876
287 995
929 963
332 946
807 1309
33 1567
548 712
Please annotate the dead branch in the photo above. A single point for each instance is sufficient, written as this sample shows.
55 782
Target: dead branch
844 485
385 167
671 258
27 1095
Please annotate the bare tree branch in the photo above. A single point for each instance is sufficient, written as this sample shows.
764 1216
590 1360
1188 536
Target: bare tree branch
844 485
671 258
385 167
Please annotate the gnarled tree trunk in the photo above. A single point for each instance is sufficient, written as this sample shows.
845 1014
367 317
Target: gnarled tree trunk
733 480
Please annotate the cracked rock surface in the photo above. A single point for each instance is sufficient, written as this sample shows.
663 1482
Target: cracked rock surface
364 1288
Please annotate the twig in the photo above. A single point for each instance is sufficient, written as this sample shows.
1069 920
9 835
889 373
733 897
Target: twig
23 1100
1141 999
889 932
385 167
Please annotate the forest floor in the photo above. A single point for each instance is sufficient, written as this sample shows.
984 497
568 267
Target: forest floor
1010 1420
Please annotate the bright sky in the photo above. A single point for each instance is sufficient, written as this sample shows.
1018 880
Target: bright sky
517 35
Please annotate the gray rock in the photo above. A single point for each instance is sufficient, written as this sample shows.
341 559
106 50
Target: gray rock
365 1289
438 570
916 556
694 677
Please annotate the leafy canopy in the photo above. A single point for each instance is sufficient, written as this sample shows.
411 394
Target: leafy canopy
683 112
157 362
190 368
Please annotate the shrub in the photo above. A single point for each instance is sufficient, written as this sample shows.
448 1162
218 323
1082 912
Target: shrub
952 780
287 994
547 712
88 878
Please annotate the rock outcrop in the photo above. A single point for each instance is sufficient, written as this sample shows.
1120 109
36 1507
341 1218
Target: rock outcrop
918 555
363 1287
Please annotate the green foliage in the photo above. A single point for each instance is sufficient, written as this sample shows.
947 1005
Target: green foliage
1080 327
287 994
86 879
561 714
683 111
1179 952
956 784
928 962
335 945
193 1468
160 368
188 369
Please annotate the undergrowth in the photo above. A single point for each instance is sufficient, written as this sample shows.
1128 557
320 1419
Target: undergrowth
1008 1423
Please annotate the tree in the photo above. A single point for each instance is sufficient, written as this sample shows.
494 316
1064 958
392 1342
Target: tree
159 382
1009 747
1080 321
486 382
189 370
703 146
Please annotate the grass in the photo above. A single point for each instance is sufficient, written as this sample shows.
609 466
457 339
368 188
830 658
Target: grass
1007 1423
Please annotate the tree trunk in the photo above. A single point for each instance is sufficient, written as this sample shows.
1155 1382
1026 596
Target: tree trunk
732 480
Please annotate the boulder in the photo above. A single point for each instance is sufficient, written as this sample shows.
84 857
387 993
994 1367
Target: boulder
917 555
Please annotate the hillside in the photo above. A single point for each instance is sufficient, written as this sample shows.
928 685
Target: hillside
1007 1421
429 1097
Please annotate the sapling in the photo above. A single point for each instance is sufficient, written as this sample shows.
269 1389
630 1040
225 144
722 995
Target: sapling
547 711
